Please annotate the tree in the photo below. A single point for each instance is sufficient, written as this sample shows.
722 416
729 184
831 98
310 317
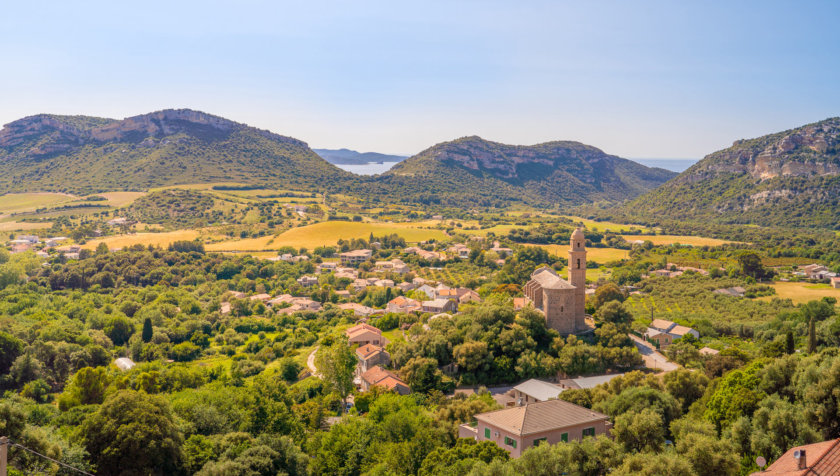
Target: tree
132 433
649 464
684 353
812 335
26 368
336 364
472 356
422 375
119 329
686 386
790 345
148 332
10 348
87 387
736 395
751 265
606 293
461 458
640 431
708 455
778 425
614 312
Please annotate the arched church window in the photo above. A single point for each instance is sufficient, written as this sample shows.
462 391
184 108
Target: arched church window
561 308
578 263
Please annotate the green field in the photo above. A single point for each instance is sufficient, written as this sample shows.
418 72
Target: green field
328 233
23 202
145 239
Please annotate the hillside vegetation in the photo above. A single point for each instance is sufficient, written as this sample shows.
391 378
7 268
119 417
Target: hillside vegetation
482 172
84 155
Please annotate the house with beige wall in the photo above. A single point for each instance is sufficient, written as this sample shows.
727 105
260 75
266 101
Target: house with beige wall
550 422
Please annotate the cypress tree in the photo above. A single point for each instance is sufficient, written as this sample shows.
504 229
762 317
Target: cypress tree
790 347
812 336
147 330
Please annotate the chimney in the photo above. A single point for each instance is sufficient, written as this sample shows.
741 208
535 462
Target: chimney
799 456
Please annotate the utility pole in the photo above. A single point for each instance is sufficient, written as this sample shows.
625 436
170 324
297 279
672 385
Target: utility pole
4 454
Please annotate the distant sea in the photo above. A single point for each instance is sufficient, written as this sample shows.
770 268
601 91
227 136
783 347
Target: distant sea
674 165
371 168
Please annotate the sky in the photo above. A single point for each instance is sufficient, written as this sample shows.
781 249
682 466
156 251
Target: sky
650 79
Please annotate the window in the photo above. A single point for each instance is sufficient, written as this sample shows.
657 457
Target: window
487 433
561 308
578 243
578 263
539 441
510 442
589 431
564 437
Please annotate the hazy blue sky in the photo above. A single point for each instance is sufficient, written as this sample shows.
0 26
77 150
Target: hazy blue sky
635 78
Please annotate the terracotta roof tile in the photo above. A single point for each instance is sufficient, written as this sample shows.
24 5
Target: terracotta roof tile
541 416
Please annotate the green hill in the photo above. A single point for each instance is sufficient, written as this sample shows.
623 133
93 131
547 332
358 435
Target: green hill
80 154
789 178
84 155
472 170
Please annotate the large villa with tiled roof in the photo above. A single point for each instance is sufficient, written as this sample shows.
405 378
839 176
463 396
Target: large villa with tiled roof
519 428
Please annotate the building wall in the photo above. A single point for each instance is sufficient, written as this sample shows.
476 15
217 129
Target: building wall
524 442
560 310
366 337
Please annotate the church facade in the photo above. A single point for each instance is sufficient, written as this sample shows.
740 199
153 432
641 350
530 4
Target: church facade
563 302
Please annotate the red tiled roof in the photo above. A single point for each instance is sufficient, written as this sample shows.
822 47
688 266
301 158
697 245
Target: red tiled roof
368 350
822 459
362 327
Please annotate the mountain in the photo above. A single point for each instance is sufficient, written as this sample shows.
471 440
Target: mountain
351 157
84 155
789 178
472 170
81 154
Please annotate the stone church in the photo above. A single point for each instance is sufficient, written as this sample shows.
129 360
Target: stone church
563 302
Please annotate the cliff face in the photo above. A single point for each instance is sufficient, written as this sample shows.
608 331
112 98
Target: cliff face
806 151
787 178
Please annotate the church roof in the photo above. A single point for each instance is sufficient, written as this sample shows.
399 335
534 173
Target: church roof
548 279
578 235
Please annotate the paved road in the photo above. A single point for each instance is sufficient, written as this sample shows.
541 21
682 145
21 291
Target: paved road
653 359
310 362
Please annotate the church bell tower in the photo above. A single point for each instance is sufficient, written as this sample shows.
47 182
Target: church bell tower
577 275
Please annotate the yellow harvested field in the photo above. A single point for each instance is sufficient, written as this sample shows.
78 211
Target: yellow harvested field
326 234
802 292
15 226
606 225
598 255
681 239
21 202
145 239
121 199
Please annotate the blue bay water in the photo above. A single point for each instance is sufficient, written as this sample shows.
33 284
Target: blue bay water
674 165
